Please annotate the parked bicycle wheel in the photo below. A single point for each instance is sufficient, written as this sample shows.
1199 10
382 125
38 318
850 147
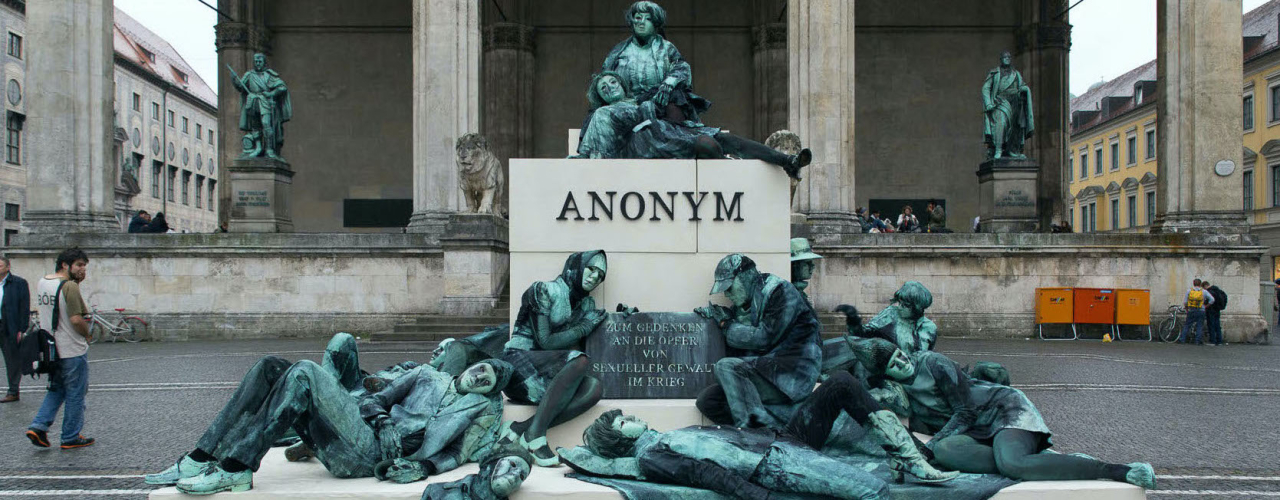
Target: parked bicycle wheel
96 332
1169 330
135 329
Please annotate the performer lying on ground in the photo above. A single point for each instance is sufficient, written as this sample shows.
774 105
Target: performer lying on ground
499 477
421 423
981 427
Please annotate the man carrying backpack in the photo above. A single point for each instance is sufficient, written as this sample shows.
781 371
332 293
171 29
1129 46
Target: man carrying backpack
69 382
1195 303
1213 313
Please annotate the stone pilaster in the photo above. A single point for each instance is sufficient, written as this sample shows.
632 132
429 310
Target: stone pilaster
820 44
508 90
476 263
770 60
1045 41
1198 132
446 104
236 42
70 181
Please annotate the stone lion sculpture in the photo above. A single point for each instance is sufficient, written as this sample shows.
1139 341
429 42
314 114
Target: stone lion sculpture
787 142
480 175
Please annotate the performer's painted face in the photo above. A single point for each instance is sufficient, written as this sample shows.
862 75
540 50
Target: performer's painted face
259 62
802 270
642 25
478 379
593 275
508 475
900 366
610 89
630 425
740 291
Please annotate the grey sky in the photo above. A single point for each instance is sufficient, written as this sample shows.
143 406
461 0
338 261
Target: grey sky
1110 37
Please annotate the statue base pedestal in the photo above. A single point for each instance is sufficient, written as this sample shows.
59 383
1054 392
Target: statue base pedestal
476 263
1007 195
260 196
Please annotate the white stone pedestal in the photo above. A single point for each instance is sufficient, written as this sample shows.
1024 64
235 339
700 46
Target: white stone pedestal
1007 195
662 251
260 196
475 263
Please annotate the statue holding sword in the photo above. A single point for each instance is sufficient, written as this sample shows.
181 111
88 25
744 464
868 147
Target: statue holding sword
265 108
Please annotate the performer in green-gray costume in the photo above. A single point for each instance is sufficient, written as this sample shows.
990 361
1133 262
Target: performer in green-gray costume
773 342
551 370
499 477
421 423
653 68
621 127
981 427
902 323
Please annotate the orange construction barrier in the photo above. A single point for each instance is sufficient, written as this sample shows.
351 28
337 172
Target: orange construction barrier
1133 307
1055 306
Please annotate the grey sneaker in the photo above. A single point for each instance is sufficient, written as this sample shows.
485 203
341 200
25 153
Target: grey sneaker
215 480
185 468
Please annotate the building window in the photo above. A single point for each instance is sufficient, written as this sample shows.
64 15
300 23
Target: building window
184 125
212 191
1115 214
137 103
1093 217
1151 144
1274 90
182 77
199 131
155 111
1071 166
1071 217
210 136
199 191
13 141
1115 156
8 236
170 118
186 188
1084 165
1132 146
15 45
12 211
1248 189
1133 210
1248 112
155 180
151 56
1097 160
173 180
1151 207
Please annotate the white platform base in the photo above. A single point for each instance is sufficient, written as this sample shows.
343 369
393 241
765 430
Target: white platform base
280 479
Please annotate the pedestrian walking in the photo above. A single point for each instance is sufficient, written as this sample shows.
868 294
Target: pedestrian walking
15 317
1195 303
1213 312
69 382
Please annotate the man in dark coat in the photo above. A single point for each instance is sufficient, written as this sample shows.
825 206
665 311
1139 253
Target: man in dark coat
139 222
774 344
15 316
1213 312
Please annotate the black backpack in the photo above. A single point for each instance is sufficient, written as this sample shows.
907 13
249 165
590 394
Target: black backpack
38 352
1219 299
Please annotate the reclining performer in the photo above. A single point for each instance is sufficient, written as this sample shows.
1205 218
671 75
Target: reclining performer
981 427
774 346
755 463
421 423
621 128
499 477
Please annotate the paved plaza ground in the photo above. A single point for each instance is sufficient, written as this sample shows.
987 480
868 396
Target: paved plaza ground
1205 416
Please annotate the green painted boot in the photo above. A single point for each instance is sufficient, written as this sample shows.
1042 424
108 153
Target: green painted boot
185 468
216 480
1141 474
905 458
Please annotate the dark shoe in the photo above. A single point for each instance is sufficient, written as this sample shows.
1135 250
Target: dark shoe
38 437
79 442
9 398
298 452
798 162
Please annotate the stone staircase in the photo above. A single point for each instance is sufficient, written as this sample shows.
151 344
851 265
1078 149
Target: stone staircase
437 328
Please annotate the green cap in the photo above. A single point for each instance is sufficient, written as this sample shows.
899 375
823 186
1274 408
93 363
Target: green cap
800 250
728 268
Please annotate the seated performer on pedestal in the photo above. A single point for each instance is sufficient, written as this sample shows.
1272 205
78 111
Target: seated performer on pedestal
773 338
981 427
620 127
499 477
423 422
902 323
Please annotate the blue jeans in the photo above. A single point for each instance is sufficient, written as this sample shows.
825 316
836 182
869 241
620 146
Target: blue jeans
1213 320
1195 321
68 385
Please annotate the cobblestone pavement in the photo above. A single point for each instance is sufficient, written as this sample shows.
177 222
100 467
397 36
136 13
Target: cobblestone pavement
1205 416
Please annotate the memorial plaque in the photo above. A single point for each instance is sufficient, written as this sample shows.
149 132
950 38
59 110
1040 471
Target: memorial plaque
655 355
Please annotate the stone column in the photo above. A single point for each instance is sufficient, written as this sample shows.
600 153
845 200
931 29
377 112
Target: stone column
770 58
70 181
1199 71
446 104
1046 41
821 109
508 90
236 42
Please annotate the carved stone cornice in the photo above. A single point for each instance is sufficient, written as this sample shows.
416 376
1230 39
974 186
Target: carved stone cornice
231 35
769 36
509 36
18 5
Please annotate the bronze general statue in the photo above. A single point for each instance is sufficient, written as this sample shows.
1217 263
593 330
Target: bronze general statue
265 108
1006 102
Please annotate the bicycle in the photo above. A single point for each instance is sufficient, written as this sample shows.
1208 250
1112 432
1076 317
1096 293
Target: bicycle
1169 327
129 328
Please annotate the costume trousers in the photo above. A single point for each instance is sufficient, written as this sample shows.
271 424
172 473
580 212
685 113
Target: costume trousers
794 468
751 150
1195 322
12 365
740 396
1013 453
305 397
67 387
1213 320
812 422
